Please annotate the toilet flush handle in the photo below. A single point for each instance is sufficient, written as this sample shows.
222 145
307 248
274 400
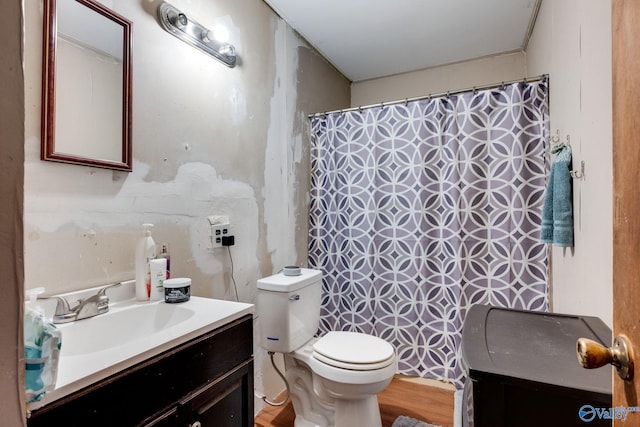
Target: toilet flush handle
592 355
295 297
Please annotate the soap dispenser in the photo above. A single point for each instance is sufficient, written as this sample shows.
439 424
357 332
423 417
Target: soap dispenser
145 251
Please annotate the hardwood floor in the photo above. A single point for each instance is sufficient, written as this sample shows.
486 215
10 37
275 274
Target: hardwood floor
432 404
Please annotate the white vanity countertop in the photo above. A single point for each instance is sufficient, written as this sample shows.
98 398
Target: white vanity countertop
95 347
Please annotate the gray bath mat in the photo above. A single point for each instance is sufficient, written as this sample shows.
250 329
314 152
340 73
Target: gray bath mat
403 421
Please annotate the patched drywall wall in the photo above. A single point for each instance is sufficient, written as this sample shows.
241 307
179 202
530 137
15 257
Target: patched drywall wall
207 140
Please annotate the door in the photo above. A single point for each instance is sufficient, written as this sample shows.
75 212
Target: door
626 192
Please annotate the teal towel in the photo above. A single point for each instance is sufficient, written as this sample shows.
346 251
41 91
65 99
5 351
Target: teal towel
557 213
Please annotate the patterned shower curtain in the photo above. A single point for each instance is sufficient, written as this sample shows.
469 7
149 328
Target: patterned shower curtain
421 209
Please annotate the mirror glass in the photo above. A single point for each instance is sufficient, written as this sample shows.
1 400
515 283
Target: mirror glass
86 85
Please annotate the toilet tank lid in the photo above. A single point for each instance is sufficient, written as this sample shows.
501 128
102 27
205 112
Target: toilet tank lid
281 283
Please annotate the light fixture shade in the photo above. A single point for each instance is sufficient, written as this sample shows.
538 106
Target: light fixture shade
190 31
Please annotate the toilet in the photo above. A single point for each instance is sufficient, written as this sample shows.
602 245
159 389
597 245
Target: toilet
334 380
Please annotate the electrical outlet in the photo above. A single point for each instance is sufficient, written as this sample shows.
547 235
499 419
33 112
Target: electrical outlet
218 231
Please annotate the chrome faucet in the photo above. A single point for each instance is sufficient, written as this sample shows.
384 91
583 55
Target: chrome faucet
85 308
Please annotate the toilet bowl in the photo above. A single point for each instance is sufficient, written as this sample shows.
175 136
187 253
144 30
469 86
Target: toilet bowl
341 383
333 379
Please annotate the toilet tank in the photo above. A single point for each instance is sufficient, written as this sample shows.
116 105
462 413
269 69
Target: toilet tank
288 309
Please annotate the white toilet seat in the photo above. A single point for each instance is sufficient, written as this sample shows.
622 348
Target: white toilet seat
353 350
349 373
353 366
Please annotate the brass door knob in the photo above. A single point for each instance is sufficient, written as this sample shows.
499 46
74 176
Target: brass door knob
593 355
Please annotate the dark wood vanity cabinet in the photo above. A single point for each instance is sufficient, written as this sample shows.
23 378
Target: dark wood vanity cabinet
206 382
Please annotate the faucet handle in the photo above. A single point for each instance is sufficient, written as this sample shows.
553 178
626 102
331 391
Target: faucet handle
102 300
63 312
103 292
62 305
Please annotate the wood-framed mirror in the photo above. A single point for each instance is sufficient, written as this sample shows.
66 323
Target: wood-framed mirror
86 85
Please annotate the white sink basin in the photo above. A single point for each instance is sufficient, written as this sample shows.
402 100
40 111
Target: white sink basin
130 333
118 328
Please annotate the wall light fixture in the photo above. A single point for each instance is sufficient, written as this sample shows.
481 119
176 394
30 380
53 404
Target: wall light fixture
191 32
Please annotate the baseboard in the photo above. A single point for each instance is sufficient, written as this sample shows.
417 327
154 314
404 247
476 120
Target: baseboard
426 381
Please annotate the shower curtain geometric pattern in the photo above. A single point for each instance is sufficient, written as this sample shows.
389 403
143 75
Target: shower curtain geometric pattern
421 209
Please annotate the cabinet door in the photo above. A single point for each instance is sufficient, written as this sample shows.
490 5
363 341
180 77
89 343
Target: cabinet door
224 403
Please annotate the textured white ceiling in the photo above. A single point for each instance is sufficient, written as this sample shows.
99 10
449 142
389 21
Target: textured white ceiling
365 39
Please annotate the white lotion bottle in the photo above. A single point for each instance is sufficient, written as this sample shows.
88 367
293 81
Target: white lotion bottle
158 269
145 252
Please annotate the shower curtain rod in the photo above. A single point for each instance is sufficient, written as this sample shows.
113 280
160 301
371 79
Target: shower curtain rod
542 77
